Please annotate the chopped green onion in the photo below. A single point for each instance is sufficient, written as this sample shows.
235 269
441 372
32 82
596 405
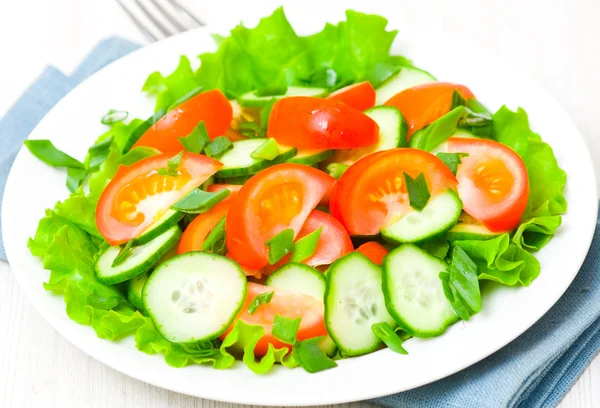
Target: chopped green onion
98 153
452 160
136 154
252 130
269 150
46 152
309 355
184 98
196 140
260 300
141 129
305 247
265 113
439 131
275 88
218 146
215 241
199 201
457 100
418 192
285 329
103 302
280 245
123 254
336 170
113 116
461 284
75 176
391 339
172 166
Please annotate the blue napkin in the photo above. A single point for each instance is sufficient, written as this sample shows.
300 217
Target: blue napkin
535 370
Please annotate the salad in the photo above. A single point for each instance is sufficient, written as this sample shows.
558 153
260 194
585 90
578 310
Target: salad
295 201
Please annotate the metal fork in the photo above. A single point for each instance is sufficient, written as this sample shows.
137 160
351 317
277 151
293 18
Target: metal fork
158 19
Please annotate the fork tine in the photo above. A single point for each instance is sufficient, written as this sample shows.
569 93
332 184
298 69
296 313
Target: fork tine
137 23
176 23
151 17
186 11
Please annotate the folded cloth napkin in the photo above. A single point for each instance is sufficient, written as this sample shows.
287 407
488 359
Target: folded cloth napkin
535 370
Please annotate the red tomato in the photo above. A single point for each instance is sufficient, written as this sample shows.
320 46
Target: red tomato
283 303
275 199
372 194
360 96
334 241
305 121
374 251
492 182
424 104
137 195
212 107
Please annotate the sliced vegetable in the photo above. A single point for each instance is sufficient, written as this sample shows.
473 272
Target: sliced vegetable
374 251
461 284
138 196
218 146
320 123
360 96
196 140
468 228
239 161
260 300
46 152
194 296
310 157
199 201
280 245
388 335
285 329
312 356
405 78
277 198
295 277
134 290
251 99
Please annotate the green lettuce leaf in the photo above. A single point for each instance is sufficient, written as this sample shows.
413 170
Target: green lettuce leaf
168 89
512 129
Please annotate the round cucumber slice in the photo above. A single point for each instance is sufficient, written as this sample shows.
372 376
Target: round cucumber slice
134 290
406 78
439 215
239 162
295 277
413 291
250 98
194 296
140 260
353 303
166 221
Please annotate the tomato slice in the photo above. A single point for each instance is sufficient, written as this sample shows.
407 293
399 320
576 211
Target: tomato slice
360 96
283 303
374 251
492 182
212 107
424 104
304 121
137 195
372 194
275 199
334 241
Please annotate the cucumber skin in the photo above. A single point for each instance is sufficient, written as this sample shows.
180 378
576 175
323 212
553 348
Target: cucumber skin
402 128
329 275
150 235
144 267
467 236
392 310
240 180
307 268
439 234
133 297
188 254
314 159
255 168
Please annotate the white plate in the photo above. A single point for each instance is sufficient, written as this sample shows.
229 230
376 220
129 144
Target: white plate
74 124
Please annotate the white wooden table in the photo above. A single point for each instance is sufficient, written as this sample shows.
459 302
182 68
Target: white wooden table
556 42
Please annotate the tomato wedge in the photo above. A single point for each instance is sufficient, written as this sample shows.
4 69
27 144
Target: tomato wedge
371 194
137 195
275 199
334 241
304 121
212 107
374 251
283 303
424 104
360 96
492 182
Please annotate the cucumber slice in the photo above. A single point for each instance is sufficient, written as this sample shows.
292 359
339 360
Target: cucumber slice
406 78
194 296
134 290
353 303
166 221
393 131
469 228
141 259
310 157
295 277
443 147
413 291
439 215
238 162
250 98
